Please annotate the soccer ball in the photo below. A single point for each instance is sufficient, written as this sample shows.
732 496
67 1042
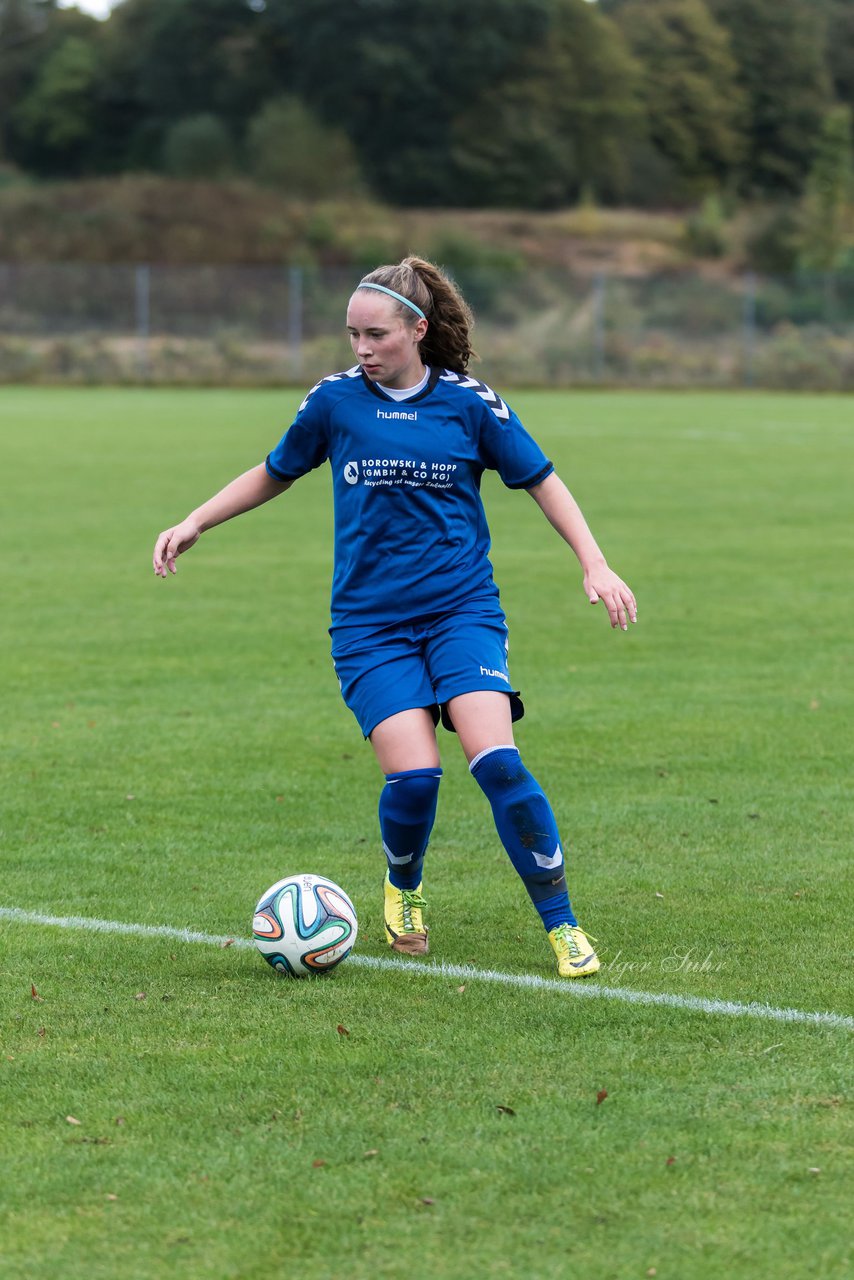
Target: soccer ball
304 924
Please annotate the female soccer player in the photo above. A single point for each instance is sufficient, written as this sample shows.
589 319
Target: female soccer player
418 633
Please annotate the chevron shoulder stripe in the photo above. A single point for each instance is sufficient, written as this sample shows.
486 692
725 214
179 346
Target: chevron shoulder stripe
487 395
332 377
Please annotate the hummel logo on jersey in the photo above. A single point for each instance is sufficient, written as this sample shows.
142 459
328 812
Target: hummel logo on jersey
397 413
487 395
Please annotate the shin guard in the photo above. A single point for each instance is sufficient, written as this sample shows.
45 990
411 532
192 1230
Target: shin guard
407 812
527 828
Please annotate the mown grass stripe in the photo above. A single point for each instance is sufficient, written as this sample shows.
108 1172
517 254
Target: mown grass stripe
693 1004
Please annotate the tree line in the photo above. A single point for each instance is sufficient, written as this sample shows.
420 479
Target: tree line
490 103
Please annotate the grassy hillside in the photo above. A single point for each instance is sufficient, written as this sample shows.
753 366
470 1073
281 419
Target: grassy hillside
155 219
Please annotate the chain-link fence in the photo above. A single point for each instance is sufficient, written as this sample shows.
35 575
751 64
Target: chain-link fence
88 323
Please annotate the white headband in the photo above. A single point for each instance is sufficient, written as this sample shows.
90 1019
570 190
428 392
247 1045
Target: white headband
391 293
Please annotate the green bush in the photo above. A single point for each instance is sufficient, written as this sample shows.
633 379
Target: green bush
806 358
290 149
706 230
773 239
199 146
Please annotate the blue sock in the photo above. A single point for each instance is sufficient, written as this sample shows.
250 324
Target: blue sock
407 812
527 829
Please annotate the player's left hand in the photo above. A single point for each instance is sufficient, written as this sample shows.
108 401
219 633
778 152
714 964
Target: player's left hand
603 584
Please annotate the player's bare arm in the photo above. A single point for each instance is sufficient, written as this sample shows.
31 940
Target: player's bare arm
600 582
250 490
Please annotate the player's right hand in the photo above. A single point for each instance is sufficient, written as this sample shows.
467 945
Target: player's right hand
172 543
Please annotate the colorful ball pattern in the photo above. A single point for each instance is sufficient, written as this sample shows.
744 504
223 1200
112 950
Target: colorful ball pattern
304 924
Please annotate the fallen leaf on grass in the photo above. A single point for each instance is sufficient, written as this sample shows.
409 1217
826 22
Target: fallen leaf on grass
141 995
374 1151
601 1096
119 1120
227 942
110 1196
342 1030
670 1160
73 1120
504 1111
35 995
427 1200
41 1032
318 1164
461 989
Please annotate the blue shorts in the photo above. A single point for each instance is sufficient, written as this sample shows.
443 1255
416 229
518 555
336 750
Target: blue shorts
423 664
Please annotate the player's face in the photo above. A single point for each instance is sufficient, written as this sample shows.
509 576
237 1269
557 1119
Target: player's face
385 345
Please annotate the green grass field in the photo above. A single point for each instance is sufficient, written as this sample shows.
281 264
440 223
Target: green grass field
170 749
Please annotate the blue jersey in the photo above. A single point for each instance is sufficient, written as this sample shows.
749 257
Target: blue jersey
411 537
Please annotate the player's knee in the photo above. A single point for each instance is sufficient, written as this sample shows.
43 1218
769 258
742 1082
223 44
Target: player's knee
502 776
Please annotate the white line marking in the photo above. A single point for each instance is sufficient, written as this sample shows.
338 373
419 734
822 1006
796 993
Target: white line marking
694 1004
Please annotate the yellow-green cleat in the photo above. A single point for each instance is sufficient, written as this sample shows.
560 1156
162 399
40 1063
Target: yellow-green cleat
575 955
405 929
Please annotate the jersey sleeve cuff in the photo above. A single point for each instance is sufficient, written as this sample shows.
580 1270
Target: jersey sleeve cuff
275 472
535 479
